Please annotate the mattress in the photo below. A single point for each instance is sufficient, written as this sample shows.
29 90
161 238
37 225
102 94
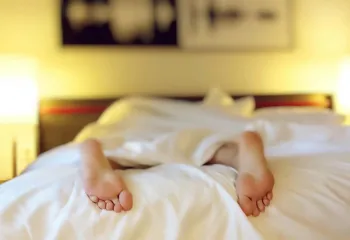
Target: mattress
311 165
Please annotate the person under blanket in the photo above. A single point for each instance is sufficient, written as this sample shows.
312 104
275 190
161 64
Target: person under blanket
105 187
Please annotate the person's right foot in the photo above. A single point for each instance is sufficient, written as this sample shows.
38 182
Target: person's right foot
255 181
102 184
254 191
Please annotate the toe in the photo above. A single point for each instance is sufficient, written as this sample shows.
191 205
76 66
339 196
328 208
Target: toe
260 205
266 201
94 199
125 199
109 205
246 205
270 196
256 212
117 207
101 204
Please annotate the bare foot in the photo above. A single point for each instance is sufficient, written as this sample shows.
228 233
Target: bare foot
254 192
255 181
103 185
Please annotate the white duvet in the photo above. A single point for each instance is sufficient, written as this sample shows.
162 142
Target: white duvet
183 200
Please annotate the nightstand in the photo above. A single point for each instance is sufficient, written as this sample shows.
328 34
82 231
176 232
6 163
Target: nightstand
18 148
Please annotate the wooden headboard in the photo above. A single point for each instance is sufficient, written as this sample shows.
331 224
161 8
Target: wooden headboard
61 120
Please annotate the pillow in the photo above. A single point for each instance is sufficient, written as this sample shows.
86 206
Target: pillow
216 98
309 115
245 106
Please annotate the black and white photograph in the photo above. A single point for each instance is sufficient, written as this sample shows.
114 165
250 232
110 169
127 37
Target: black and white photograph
234 24
185 24
119 22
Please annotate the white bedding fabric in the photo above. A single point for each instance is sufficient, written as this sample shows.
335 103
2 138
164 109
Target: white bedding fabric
311 164
223 101
307 115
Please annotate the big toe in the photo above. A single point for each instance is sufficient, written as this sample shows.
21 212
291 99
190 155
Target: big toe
125 200
256 212
270 196
246 205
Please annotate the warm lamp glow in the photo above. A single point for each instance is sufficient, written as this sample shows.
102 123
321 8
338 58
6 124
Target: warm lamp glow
343 91
18 90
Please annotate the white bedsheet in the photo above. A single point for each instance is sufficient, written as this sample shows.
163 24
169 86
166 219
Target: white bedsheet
311 166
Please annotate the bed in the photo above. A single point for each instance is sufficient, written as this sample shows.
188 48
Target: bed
61 120
310 161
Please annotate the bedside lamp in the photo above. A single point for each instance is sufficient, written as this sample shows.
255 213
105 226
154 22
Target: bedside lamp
18 114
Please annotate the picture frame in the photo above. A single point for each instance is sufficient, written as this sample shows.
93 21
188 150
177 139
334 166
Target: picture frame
231 25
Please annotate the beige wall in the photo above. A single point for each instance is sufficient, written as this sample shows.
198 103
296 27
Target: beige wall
322 38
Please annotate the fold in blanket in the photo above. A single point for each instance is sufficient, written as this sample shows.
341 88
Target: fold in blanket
148 132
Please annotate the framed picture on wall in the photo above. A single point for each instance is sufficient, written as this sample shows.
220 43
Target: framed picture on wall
185 24
119 22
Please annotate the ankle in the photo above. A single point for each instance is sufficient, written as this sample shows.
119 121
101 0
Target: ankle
226 155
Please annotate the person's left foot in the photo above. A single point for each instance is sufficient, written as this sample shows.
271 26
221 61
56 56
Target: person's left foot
103 185
107 190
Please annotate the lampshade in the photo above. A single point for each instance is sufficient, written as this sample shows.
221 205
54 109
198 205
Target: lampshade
18 90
